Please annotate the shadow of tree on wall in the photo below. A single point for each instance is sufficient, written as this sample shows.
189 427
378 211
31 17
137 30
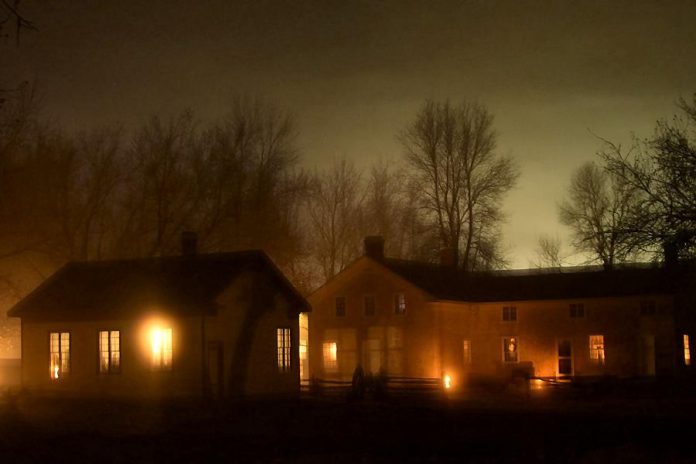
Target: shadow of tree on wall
256 299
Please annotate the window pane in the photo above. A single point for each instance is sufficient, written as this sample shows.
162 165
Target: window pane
687 351
466 351
167 348
330 356
510 349
340 306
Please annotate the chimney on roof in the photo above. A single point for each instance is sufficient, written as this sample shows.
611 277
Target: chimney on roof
447 258
374 247
189 243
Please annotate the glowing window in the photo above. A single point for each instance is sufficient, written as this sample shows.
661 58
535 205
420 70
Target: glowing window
687 351
304 340
109 351
510 349
597 348
59 352
399 303
340 306
283 348
577 310
509 313
161 340
466 351
369 304
330 358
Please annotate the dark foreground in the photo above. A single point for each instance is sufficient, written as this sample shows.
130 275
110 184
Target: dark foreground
487 429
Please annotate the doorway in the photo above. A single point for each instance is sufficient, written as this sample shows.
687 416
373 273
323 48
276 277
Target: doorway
565 358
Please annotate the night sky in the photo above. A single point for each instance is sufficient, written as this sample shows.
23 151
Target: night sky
354 73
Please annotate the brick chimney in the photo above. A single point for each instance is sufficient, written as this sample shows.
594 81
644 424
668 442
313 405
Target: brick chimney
189 243
374 247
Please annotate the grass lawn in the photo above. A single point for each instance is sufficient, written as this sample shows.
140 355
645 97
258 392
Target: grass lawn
481 429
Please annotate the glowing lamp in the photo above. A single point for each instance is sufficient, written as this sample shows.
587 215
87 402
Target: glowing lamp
447 381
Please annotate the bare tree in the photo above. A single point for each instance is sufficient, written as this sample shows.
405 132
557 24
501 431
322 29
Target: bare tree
661 170
12 18
451 150
335 216
391 212
548 252
597 210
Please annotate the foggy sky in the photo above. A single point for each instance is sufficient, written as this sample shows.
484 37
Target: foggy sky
354 73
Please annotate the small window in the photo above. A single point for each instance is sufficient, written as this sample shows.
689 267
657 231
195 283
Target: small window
509 313
109 351
577 310
369 305
161 339
510 345
340 306
647 308
59 352
466 351
597 349
330 356
687 351
283 349
399 303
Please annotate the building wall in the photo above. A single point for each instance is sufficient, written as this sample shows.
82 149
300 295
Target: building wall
251 311
406 342
136 377
539 327
433 332
245 328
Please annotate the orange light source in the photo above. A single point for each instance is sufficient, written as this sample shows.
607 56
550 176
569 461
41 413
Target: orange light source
447 381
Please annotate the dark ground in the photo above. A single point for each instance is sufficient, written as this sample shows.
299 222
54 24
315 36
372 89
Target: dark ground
654 425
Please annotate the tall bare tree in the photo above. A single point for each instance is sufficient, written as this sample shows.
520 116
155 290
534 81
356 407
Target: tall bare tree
598 210
451 150
662 172
335 212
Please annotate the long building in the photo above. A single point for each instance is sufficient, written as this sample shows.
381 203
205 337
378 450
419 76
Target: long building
411 319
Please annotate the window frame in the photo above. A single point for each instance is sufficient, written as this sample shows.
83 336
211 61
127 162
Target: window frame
284 349
110 369
576 310
509 313
466 351
62 373
596 358
517 348
686 344
329 366
400 305
160 366
344 306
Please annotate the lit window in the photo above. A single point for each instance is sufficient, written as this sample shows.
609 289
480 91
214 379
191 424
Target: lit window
59 354
577 310
340 306
687 351
509 313
369 305
330 361
597 348
109 351
647 307
283 336
510 349
466 351
304 340
161 348
399 303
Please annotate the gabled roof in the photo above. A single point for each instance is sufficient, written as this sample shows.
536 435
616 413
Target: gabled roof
445 283
100 289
